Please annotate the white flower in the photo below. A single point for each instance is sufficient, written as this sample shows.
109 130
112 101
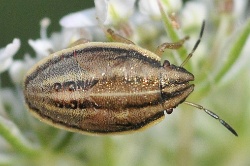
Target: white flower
7 53
79 19
151 7
240 8
19 68
42 46
119 10
193 14
45 45
107 11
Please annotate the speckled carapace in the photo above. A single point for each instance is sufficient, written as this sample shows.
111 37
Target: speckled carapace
107 87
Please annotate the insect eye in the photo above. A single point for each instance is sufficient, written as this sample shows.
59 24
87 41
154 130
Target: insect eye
166 63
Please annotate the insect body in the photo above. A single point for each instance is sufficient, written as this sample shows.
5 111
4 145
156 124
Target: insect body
106 88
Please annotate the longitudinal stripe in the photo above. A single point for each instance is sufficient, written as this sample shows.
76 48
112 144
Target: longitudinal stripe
83 95
125 93
122 52
119 127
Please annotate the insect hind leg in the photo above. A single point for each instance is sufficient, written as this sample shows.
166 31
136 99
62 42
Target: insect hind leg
114 36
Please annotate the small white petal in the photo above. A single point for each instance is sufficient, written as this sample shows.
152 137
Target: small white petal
63 39
193 14
240 7
4 65
44 23
174 5
10 50
7 53
101 8
41 47
151 7
122 8
17 71
118 10
19 68
79 19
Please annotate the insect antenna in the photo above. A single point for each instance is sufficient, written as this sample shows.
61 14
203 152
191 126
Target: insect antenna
215 116
195 46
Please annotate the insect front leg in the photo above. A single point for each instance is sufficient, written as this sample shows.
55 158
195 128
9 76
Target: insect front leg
176 45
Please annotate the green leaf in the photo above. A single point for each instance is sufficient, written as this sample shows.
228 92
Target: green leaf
233 55
234 52
12 134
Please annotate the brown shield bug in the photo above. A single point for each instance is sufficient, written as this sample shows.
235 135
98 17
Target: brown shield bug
109 87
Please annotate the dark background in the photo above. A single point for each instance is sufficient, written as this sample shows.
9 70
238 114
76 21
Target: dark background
21 19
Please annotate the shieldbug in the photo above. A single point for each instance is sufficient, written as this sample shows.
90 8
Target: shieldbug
109 87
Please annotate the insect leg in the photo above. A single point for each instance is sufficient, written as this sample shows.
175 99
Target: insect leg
79 41
161 48
215 116
118 38
114 36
